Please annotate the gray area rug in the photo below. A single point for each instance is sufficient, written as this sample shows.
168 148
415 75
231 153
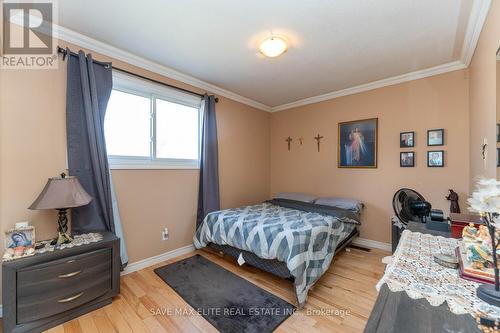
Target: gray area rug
229 302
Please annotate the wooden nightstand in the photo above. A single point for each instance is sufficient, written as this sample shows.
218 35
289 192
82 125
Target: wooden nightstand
45 290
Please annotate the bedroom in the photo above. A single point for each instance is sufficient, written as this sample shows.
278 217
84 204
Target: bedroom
414 66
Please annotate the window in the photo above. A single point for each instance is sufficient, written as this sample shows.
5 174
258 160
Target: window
176 130
128 125
149 126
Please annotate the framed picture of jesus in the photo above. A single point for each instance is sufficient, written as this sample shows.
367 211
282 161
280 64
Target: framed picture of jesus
358 144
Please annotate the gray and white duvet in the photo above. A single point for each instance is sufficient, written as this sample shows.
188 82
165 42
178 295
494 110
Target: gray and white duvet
304 240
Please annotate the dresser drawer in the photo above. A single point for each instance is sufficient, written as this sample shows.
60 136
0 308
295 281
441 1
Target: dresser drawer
50 288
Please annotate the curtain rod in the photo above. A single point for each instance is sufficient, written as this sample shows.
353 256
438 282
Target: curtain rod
64 52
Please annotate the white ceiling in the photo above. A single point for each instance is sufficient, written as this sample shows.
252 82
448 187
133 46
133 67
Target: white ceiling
334 45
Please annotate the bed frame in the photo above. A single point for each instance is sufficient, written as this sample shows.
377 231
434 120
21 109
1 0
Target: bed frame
273 266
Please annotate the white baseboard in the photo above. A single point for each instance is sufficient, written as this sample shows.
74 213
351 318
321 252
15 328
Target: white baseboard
372 244
138 265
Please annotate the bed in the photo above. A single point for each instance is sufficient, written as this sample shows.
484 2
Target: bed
291 239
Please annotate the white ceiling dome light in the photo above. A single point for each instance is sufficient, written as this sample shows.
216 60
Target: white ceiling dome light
273 46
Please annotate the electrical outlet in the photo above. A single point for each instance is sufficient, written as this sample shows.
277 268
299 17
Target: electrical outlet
164 234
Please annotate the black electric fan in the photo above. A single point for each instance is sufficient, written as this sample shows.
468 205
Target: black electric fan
409 206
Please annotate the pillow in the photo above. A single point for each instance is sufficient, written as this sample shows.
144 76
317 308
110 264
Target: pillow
344 203
304 197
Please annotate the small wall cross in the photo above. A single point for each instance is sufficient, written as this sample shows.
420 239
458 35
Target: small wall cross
318 138
484 150
289 140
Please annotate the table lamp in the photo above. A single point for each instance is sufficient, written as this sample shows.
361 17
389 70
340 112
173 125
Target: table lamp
62 193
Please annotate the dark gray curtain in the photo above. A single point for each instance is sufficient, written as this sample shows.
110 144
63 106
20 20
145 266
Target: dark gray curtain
89 86
208 193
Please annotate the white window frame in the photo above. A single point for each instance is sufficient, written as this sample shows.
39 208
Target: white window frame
137 86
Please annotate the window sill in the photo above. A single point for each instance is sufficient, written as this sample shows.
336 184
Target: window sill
146 164
150 167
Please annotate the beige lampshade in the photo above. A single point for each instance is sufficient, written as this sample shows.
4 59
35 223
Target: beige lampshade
60 193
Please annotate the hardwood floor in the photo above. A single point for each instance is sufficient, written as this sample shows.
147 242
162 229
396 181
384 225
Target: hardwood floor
348 286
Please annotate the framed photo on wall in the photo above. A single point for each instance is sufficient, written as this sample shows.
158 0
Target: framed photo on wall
498 157
435 158
407 159
358 144
498 132
406 139
435 137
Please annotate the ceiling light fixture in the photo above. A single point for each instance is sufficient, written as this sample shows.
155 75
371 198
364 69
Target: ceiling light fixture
273 46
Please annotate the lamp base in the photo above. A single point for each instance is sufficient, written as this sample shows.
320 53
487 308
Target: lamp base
63 238
487 293
62 222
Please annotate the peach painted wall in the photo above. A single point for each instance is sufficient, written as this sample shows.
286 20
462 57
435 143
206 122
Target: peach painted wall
33 148
498 107
436 102
483 96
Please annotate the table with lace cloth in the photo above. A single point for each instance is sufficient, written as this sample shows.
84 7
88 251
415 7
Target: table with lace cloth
414 271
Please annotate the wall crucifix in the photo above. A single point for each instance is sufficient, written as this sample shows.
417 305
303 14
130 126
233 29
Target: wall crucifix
289 140
318 140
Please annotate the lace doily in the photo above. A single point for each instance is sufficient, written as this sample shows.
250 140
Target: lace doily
414 271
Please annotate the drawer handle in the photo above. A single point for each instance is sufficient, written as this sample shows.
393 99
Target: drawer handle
64 276
69 299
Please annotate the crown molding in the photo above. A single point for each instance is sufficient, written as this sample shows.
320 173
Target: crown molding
452 66
132 59
477 18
